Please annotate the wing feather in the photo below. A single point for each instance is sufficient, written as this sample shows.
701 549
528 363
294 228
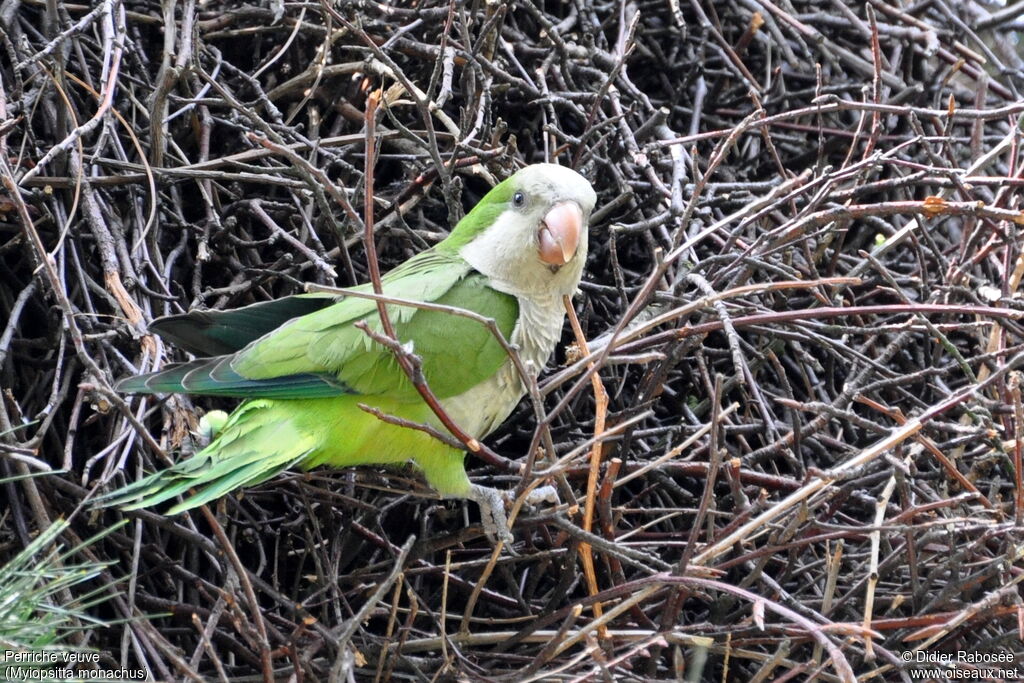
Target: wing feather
457 352
322 353
214 377
217 333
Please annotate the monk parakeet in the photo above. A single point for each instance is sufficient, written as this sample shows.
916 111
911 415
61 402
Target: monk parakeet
303 367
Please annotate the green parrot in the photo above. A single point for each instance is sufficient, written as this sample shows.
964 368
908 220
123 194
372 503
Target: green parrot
303 367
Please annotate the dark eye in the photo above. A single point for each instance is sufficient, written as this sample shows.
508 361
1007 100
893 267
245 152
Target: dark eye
519 199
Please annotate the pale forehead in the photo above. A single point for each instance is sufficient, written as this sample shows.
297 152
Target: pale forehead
556 182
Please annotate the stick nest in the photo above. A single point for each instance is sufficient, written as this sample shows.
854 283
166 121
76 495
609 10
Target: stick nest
802 457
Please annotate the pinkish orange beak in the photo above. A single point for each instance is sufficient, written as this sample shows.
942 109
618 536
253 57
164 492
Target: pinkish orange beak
560 233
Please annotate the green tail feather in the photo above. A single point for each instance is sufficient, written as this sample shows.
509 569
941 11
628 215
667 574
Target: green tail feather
253 446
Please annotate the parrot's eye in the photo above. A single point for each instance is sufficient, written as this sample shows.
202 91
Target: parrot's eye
519 199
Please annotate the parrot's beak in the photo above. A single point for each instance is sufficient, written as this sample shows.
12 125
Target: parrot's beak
560 233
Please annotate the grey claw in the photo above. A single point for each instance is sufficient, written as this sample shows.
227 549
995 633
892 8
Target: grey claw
492 508
492 513
543 494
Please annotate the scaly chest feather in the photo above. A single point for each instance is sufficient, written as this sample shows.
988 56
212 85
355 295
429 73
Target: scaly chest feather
483 408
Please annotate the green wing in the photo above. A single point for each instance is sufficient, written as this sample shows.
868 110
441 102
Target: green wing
322 353
457 352
216 333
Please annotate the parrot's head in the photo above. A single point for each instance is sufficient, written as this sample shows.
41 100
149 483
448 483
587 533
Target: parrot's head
529 233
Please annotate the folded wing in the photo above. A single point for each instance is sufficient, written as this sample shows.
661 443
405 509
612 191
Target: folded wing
309 346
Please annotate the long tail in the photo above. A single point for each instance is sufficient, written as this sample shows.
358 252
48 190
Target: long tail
256 443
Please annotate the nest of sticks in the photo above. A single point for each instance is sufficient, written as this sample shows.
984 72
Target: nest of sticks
792 444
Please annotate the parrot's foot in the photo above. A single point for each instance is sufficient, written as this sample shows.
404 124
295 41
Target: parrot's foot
492 507
543 494
492 512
